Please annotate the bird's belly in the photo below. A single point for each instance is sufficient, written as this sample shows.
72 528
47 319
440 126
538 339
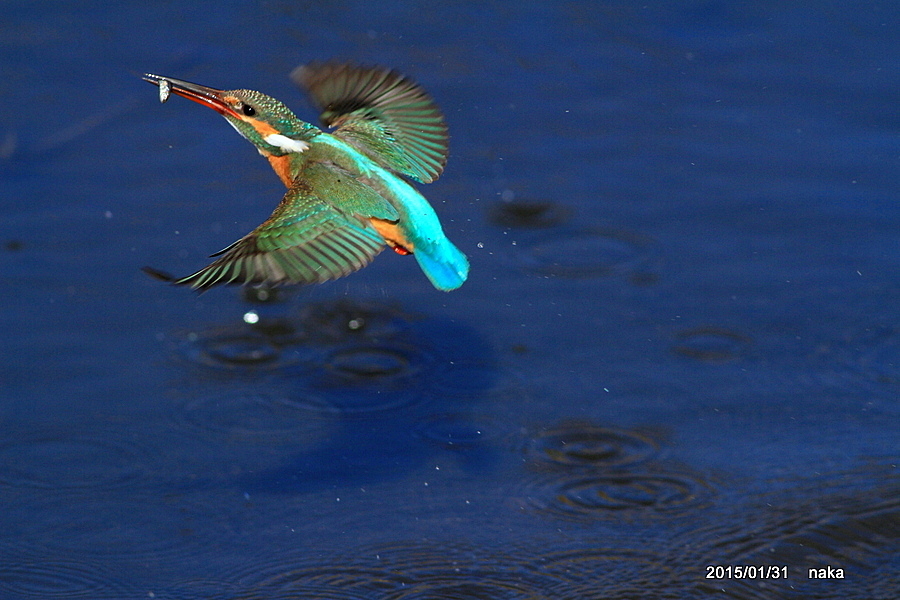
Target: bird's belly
393 236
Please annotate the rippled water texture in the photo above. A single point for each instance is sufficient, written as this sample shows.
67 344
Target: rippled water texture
678 347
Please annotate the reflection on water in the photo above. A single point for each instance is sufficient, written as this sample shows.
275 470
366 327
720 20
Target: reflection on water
528 214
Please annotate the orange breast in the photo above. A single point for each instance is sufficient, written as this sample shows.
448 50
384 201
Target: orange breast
282 167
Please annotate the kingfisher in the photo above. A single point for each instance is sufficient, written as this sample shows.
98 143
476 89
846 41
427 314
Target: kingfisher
347 194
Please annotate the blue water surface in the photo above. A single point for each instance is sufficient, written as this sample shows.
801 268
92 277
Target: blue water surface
679 346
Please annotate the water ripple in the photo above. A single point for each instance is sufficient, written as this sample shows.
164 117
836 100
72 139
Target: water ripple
598 572
872 355
398 572
584 445
67 460
592 496
459 430
42 577
858 532
347 321
290 578
375 362
247 415
240 347
364 378
122 528
711 344
588 472
333 358
583 253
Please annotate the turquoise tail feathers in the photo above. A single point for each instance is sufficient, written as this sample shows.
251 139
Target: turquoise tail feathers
444 264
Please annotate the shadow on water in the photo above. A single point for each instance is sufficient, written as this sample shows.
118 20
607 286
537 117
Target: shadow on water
387 387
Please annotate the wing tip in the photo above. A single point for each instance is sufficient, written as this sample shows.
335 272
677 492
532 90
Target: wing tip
340 89
158 275
172 280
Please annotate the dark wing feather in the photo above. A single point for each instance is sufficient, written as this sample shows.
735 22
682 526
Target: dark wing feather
382 113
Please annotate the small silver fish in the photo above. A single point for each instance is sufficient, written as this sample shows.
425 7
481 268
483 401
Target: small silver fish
163 90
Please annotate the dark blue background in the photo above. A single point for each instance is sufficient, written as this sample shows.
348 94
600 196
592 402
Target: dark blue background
679 345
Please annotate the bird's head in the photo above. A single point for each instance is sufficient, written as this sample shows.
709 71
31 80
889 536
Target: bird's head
266 122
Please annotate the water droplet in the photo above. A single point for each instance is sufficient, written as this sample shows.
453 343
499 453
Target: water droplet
262 294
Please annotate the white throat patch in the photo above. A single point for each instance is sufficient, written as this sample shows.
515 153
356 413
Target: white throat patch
286 143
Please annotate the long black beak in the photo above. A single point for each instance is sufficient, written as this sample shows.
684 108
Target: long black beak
207 96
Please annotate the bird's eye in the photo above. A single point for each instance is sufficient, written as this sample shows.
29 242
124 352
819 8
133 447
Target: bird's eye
248 110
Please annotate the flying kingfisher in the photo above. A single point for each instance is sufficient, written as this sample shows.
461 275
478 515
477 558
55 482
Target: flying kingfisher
346 198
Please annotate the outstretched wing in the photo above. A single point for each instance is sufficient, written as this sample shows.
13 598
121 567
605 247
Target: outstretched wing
386 116
306 240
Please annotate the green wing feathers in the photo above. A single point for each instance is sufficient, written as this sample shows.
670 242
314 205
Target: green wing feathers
386 116
304 241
